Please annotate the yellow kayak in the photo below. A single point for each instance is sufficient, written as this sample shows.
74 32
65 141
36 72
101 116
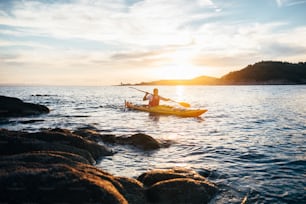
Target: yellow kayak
166 110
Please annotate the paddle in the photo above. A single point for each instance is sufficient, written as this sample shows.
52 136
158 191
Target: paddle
184 104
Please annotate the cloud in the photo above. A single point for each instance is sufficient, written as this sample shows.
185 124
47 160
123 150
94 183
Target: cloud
135 55
241 44
282 3
144 23
107 35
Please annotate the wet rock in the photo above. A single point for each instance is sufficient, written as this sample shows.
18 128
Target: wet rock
47 182
55 166
93 135
141 141
181 190
132 190
14 107
43 168
67 138
53 157
177 185
13 142
151 177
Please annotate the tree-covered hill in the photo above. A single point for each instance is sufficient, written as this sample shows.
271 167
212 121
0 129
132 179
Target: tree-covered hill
268 72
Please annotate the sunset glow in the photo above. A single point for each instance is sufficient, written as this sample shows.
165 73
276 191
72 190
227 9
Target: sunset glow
183 71
106 42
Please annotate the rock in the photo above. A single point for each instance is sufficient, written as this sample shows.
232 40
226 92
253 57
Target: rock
14 107
177 185
48 182
67 138
55 166
46 157
132 190
181 190
144 142
155 176
12 142
93 135
52 167
141 141
151 177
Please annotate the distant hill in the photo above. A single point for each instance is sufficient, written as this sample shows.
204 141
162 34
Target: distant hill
265 72
268 72
202 80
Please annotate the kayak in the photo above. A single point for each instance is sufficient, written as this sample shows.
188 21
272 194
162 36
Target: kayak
166 110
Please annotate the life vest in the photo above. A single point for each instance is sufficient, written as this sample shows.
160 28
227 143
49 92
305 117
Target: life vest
154 101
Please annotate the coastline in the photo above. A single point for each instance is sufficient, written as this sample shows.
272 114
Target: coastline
58 165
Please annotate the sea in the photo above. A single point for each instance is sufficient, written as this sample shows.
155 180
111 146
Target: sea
251 142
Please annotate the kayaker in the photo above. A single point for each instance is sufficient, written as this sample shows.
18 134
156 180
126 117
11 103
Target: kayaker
154 98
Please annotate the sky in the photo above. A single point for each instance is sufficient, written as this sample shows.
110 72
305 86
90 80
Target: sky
107 42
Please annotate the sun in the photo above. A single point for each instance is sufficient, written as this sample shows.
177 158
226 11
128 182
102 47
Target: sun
178 66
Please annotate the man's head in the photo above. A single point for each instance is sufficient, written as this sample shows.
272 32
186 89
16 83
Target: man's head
155 91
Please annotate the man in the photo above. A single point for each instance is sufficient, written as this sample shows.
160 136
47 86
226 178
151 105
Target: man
154 98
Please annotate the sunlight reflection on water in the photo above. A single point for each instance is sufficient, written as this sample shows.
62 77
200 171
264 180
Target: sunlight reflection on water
179 90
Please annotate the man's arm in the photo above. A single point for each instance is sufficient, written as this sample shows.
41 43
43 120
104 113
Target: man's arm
164 99
145 96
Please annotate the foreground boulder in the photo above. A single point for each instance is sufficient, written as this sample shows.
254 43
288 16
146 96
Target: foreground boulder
14 107
16 142
55 166
28 179
178 185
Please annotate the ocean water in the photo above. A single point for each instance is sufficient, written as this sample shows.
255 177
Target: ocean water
251 142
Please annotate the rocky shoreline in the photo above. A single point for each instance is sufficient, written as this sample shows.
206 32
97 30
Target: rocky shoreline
58 166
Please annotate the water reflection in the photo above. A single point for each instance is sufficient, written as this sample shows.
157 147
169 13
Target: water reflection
179 90
154 117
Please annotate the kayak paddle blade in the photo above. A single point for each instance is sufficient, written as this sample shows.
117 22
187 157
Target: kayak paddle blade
186 105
